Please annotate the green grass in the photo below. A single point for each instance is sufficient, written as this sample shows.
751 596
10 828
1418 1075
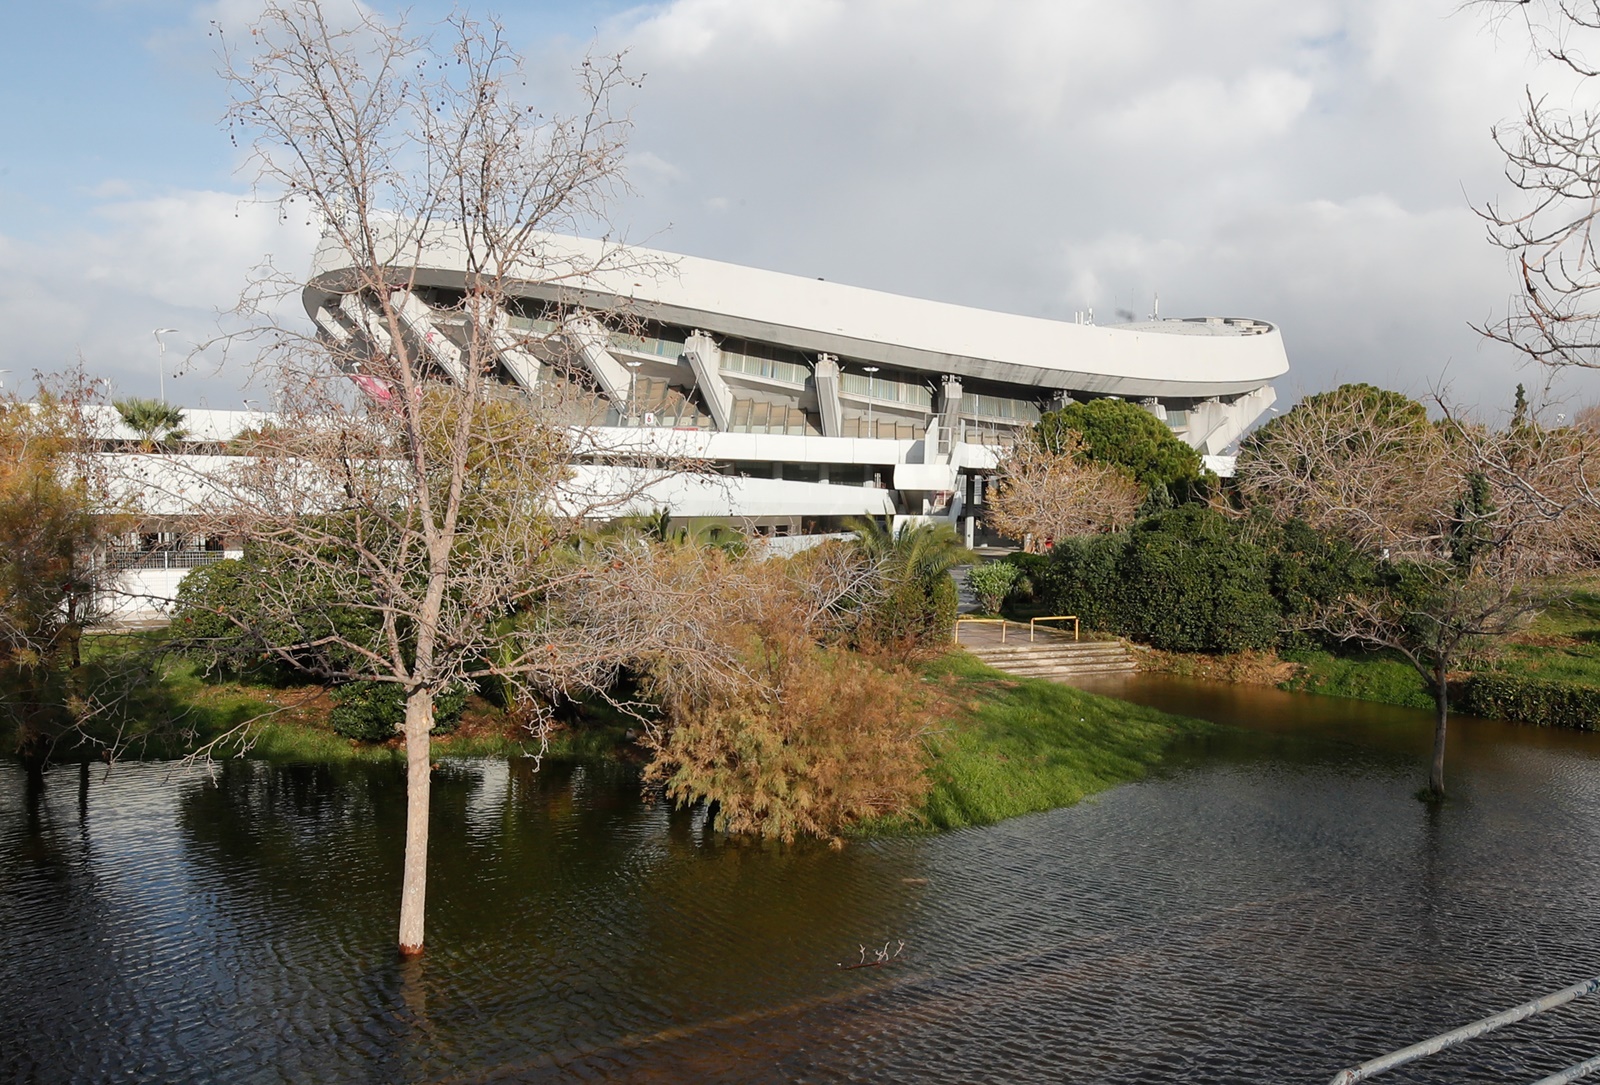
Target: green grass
1027 745
173 710
1561 645
1364 676
1008 746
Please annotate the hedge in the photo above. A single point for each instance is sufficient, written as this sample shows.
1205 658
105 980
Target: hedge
1537 701
1181 580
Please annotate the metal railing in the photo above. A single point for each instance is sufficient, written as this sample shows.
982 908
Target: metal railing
1073 618
1002 622
163 559
1374 1067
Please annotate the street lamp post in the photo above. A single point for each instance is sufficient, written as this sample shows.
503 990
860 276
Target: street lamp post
870 370
161 362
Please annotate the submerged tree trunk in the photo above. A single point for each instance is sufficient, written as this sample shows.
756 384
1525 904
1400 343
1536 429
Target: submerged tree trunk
419 784
1441 714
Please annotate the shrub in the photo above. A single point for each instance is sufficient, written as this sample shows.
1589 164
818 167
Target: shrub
1310 569
222 615
374 711
1033 573
1181 581
1539 701
991 583
1083 579
828 741
916 611
214 620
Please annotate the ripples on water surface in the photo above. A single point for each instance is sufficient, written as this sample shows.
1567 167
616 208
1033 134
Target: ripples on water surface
1273 906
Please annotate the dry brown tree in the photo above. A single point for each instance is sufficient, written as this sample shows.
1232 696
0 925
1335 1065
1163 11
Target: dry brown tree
57 521
781 733
415 518
1466 525
1044 492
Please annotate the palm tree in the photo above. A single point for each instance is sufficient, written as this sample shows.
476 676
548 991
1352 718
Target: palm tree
918 605
155 422
926 551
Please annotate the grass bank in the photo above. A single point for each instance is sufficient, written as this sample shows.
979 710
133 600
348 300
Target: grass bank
1001 745
1020 745
1557 656
1364 676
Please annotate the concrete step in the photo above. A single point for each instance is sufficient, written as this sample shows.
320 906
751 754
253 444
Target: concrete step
1055 659
1054 672
1068 657
1086 652
1024 645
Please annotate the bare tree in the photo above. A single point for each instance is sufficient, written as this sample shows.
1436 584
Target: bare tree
1361 461
417 530
1048 492
1466 524
1552 154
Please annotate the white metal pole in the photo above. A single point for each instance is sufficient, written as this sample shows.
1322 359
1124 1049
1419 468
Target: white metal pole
161 359
870 370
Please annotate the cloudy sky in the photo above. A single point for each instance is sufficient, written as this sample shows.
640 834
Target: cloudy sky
1310 163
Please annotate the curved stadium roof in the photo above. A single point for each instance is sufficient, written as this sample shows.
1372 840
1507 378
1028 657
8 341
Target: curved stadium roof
1196 358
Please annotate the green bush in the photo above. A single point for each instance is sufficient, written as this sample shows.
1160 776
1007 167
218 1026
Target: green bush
216 621
1181 581
1309 570
1538 701
1033 573
991 584
1083 579
374 711
917 611
221 618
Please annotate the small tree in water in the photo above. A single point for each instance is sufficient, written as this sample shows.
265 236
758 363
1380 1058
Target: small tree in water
1466 524
438 510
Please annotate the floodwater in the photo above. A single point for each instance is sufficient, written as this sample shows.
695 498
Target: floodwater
1270 907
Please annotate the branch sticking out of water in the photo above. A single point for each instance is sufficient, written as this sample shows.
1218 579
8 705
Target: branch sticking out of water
880 957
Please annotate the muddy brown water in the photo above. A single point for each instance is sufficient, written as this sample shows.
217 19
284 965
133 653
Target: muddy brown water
1269 907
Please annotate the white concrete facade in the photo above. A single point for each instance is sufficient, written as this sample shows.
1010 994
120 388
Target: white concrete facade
818 400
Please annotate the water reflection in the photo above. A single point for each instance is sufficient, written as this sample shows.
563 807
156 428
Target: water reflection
1272 905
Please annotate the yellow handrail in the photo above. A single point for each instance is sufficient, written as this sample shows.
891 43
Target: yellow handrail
1073 618
1002 621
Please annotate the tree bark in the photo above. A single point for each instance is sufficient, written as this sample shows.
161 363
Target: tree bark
1441 702
419 785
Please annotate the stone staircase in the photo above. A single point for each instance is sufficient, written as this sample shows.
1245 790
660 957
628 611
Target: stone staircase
1050 655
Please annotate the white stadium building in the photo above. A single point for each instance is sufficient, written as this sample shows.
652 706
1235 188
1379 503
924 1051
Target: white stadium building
816 401
810 402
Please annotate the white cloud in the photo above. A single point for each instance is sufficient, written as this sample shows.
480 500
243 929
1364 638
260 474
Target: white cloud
177 260
1207 112
1308 163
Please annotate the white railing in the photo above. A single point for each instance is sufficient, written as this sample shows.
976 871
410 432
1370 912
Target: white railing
163 559
1374 1067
